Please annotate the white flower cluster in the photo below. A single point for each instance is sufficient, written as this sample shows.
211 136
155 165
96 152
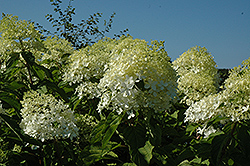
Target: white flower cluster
139 75
52 52
237 93
197 74
86 66
233 102
89 62
125 74
16 35
88 89
206 131
204 109
45 117
19 35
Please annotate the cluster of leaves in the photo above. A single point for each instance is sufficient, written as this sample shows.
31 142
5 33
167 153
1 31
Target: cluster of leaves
82 34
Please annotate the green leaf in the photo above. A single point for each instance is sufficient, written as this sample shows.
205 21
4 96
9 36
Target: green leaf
219 144
196 160
109 133
203 149
97 153
156 132
76 101
12 125
216 119
228 127
45 70
239 159
14 57
41 72
185 163
31 140
113 122
38 72
16 85
136 138
129 164
105 129
174 115
205 162
28 57
112 154
243 139
97 133
54 87
171 131
10 99
138 158
192 128
185 154
230 162
146 151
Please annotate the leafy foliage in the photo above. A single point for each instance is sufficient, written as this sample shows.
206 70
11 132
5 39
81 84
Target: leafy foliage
51 80
82 34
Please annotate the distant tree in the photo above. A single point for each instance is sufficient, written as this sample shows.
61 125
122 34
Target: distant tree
82 34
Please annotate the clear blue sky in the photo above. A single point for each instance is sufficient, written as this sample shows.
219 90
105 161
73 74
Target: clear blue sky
222 26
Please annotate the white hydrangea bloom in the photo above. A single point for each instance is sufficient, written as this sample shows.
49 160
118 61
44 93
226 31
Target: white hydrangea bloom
86 66
45 117
233 102
197 74
88 89
53 51
206 131
204 109
89 62
237 90
20 35
125 74
139 75
16 35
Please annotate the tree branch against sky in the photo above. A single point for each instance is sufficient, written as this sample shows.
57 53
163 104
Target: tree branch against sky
220 26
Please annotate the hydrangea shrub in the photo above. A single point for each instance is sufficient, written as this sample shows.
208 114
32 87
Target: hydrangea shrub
116 76
126 74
